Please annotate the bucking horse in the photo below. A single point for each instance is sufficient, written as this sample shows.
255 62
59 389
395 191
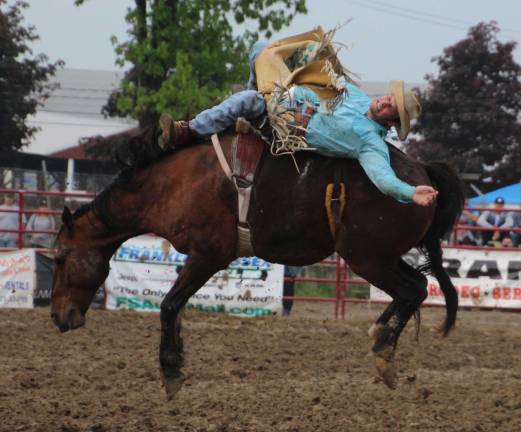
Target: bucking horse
184 197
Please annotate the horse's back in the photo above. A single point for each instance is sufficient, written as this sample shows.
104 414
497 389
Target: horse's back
288 207
287 215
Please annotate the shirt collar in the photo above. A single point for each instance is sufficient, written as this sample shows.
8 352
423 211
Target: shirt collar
382 130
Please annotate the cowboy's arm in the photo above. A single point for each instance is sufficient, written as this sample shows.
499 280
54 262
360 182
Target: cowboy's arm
375 160
377 166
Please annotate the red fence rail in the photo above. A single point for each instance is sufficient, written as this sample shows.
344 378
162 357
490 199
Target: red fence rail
22 210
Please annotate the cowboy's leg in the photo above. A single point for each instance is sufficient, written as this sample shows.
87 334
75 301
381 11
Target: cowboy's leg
256 49
248 103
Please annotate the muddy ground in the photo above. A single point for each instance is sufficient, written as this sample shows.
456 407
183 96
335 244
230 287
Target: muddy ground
306 372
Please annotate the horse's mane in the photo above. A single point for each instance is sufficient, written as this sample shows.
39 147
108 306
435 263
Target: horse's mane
132 155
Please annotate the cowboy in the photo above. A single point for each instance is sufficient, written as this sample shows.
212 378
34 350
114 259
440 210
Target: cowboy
355 128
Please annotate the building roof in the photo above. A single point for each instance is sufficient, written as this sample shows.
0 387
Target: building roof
73 111
81 92
74 152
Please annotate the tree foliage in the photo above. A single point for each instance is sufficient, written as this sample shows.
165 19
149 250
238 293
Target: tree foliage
185 54
23 77
472 109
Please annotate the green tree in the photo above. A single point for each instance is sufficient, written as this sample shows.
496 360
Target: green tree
23 77
471 110
184 54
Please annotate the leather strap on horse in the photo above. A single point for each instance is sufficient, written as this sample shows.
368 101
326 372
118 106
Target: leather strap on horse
244 246
335 202
220 156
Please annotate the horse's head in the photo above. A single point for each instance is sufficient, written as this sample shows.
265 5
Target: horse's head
81 266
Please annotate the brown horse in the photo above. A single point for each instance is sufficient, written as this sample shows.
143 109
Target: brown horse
184 197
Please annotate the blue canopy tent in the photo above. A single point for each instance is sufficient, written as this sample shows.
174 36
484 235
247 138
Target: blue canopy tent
511 194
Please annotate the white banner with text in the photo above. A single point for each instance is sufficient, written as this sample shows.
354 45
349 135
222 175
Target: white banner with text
144 268
17 278
482 278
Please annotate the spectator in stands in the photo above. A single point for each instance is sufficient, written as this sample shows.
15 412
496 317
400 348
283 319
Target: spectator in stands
516 236
496 218
9 221
41 222
290 273
507 242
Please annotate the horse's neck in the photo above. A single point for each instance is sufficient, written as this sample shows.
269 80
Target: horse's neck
94 233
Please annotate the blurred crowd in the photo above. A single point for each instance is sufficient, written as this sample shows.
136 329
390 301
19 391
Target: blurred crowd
35 221
494 227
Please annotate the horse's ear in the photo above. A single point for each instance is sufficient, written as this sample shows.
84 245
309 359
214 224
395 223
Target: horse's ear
67 218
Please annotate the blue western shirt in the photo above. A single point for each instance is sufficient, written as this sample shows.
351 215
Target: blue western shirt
348 132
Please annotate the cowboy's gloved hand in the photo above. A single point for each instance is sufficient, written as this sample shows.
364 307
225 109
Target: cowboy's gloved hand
424 195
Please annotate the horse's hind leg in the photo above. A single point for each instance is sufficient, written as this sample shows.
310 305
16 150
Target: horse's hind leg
383 319
408 287
379 324
193 276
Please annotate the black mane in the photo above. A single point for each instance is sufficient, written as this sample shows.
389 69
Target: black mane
133 155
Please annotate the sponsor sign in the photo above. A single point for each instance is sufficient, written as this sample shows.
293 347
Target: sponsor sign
144 269
17 273
482 278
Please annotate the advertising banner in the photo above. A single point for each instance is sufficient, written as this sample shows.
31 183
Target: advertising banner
482 278
44 267
144 269
17 274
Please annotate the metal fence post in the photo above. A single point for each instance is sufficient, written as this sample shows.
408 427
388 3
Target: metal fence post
21 204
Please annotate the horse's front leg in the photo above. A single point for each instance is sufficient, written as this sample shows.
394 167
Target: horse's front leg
193 276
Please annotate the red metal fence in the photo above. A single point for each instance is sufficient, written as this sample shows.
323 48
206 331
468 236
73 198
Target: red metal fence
340 282
23 210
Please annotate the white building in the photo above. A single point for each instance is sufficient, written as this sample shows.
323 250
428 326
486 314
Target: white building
73 111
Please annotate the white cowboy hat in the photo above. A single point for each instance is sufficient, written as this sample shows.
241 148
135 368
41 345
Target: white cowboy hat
408 106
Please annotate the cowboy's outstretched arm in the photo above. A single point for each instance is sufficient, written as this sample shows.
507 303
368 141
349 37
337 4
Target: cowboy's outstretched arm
376 164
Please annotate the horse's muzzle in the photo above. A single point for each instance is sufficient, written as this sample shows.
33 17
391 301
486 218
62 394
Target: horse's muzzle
69 318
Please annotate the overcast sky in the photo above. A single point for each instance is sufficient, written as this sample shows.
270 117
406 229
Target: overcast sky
386 39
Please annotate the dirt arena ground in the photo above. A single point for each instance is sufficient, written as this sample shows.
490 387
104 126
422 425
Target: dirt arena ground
304 373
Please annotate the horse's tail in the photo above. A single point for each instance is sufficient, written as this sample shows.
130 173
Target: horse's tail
450 202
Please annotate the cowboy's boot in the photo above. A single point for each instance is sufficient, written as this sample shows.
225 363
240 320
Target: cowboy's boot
174 134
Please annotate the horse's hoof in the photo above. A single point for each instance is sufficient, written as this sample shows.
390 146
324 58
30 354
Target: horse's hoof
387 370
384 362
172 385
374 331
